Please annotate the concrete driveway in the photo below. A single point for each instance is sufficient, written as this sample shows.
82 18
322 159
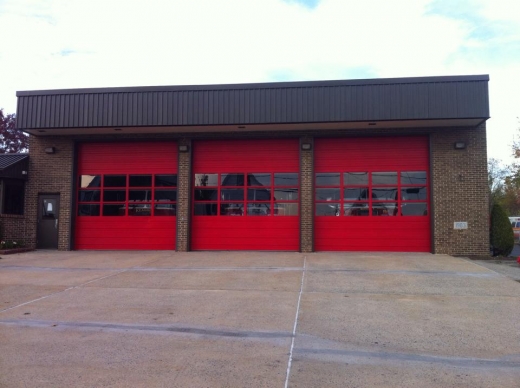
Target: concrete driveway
250 319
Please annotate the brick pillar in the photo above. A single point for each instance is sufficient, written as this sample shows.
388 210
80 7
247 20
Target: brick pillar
184 198
307 196
460 191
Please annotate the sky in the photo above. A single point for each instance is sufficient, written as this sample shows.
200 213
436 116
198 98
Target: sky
56 44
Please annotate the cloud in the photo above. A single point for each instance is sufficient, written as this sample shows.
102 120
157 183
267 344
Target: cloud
74 43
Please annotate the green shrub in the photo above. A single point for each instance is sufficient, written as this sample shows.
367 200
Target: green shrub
501 234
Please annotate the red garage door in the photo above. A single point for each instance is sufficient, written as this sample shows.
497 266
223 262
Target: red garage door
126 196
372 194
245 195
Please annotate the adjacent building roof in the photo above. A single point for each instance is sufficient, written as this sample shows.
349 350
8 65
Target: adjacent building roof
461 100
14 166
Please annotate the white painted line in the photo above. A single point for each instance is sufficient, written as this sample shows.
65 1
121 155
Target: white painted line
295 326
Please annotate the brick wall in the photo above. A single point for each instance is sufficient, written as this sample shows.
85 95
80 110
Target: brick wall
307 196
184 198
49 174
460 191
14 227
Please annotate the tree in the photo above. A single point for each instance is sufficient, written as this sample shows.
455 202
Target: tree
12 140
501 233
497 177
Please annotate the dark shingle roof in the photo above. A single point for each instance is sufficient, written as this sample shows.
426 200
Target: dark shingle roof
9 160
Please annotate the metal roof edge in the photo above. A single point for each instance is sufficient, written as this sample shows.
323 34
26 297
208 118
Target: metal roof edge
265 85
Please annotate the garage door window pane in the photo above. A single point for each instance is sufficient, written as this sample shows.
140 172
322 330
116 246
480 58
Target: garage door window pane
88 210
89 196
413 177
232 194
356 209
114 210
258 194
165 180
355 178
206 180
232 209
114 195
140 180
414 209
327 209
327 179
259 179
259 209
166 209
285 179
114 181
286 209
413 194
140 196
384 178
327 194
88 181
139 210
384 194
206 194
166 195
355 194
384 209
236 179
206 209
286 194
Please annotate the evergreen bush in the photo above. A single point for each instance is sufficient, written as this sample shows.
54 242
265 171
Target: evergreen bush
501 234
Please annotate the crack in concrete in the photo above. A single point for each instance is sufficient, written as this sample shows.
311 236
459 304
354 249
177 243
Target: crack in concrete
146 328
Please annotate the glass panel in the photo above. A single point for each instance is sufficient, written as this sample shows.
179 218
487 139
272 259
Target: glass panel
140 195
166 209
413 194
206 180
384 178
167 195
413 177
355 178
327 194
258 194
327 209
286 209
14 195
232 194
115 181
414 209
327 179
206 194
356 209
236 179
285 179
89 196
259 179
286 194
259 209
232 209
114 195
355 194
206 209
114 210
384 209
87 181
166 180
384 193
139 210
140 180
49 209
88 210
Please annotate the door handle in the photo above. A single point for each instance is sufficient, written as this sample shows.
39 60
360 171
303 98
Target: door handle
56 224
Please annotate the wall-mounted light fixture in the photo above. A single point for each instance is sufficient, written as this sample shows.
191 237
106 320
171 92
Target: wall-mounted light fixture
184 148
306 146
50 150
459 145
